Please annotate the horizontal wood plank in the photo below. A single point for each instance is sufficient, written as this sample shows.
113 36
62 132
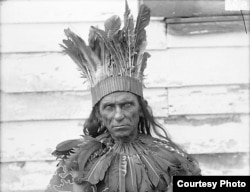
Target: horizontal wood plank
173 67
178 20
209 25
35 176
214 27
44 37
63 105
188 8
198 66
26 176
208 100
224 164
209 133
26 11
31 141
193 38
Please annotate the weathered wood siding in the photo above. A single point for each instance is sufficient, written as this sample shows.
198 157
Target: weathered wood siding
197 83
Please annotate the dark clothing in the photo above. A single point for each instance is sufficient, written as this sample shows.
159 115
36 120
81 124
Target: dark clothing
99 164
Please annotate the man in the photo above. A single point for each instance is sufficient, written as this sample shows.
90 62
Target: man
117 151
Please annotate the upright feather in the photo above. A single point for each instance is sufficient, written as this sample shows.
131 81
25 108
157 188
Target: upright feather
132 175
129 38
142 21
153 172
143 65
76 48
122 172
113 52
113 174
98 170
112 26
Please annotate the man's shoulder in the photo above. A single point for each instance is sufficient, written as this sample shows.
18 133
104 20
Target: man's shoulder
65 148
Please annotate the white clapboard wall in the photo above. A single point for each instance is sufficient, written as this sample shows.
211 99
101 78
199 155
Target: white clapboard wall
197 84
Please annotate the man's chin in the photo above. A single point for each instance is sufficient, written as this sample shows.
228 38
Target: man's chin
121 134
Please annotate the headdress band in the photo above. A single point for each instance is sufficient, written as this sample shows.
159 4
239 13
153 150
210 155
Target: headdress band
114 84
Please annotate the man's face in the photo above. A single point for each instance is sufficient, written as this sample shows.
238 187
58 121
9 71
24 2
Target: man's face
120 112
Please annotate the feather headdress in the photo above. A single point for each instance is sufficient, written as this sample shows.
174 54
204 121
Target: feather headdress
115 58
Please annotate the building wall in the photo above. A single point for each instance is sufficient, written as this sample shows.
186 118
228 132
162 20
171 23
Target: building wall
197 84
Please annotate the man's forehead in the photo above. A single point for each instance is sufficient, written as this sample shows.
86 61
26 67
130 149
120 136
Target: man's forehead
119 97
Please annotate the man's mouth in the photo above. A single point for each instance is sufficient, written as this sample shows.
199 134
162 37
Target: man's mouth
120 126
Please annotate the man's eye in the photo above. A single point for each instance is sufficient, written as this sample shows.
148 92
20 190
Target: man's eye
108 107
127 105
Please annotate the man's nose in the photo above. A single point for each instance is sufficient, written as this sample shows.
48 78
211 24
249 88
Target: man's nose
118 113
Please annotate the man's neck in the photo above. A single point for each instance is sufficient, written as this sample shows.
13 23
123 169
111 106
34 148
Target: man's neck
126 139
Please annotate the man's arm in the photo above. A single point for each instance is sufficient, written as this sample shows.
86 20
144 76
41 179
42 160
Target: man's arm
61 181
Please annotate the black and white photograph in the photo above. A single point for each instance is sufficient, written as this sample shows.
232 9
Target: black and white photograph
122 95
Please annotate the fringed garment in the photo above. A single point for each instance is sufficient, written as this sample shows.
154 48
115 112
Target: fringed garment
103 165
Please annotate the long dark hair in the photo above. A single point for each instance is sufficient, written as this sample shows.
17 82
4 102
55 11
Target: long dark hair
147 124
